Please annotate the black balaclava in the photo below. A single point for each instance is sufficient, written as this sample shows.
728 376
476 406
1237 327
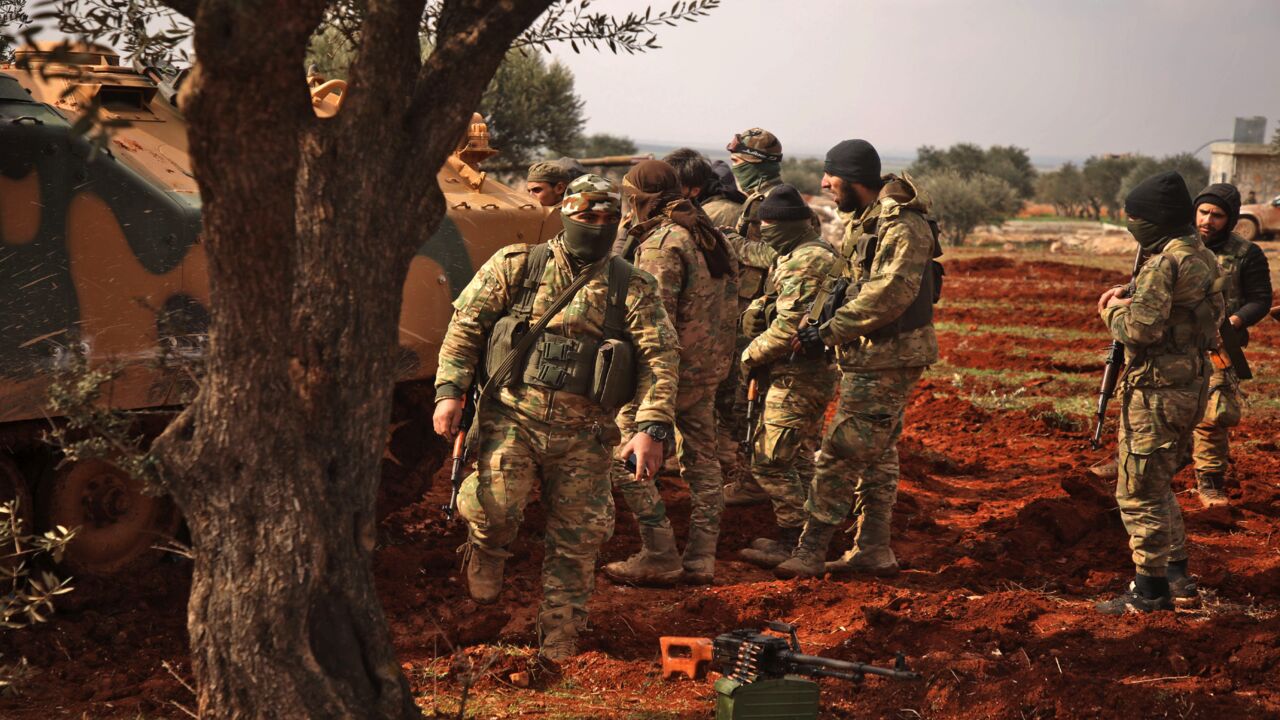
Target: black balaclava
1160 209
854 161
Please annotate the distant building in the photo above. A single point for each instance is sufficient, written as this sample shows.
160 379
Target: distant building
1251 167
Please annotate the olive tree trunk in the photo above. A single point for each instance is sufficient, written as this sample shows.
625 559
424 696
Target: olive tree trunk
309 226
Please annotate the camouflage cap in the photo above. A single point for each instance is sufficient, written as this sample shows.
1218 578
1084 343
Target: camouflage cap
591 193
547 171
756 145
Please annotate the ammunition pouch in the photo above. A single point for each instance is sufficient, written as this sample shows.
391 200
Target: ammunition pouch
560 363
613 379
750 282
506 333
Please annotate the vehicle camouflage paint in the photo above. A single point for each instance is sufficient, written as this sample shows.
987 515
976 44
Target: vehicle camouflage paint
100 254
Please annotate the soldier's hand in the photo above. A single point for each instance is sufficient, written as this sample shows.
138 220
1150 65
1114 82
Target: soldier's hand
1236 322
649 454
1104 298
447 417
807 341
1114 301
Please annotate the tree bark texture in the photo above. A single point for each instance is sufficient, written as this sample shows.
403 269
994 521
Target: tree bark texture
309 226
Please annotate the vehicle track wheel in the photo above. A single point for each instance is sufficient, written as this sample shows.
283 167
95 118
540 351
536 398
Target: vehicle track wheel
1247 228
13 486
116 525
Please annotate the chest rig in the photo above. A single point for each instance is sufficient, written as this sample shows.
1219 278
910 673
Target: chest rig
602 370
862 257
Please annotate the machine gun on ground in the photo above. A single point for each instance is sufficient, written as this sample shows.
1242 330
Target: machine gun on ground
763 674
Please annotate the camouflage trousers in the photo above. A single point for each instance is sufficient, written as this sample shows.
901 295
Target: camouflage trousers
791 424
572 465
1155 426
1210 446
857 467
699 466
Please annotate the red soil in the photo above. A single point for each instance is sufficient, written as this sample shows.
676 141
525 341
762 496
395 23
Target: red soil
1006 542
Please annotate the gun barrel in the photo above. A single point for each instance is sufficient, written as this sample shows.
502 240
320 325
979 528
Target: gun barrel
828 666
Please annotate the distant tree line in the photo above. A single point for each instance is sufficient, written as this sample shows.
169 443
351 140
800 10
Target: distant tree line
1097 188
967 186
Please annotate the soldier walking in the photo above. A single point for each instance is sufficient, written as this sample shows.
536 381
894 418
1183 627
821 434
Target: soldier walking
799 386
1246 294
696 273
545 420
882 332
1167 326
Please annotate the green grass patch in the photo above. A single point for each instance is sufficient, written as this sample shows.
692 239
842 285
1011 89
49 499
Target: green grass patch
1022 331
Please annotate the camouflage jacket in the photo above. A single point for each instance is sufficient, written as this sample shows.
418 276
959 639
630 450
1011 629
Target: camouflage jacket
1173 318
702 307
494 289
793 282
722 211
879 296
755 257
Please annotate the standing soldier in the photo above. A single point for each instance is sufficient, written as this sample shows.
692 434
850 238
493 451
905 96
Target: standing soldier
547 181
1167 328
546 420
799 386
696 271
756 163
1247 296
882 332
699 183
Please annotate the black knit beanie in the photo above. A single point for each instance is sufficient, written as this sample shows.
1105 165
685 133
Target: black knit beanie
1225 196
1162 200
784 203
855 161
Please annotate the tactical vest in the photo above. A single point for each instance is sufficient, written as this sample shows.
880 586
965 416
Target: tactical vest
1190 332
603 371
920 312
1230 255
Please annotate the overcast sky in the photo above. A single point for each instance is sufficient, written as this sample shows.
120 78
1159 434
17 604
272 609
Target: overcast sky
1063 78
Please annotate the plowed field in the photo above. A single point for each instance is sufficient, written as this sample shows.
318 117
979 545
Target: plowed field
1005 539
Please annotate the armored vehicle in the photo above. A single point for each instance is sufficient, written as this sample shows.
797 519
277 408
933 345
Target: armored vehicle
101 257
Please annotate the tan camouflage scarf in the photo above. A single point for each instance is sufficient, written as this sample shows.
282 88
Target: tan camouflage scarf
654 192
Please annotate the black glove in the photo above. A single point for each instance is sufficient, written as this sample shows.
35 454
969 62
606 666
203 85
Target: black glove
807 341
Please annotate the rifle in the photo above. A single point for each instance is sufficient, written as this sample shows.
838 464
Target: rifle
461 451
753 408
1230 352
748 656
1115 362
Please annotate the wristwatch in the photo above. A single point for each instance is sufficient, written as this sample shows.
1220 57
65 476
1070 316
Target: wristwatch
657 431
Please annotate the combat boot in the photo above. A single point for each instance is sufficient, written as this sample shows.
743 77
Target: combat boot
657 563
557 634
744 492
869 561
870 553
1209 485
699 560
1145 594
1182 587
808 559
484 572
769 553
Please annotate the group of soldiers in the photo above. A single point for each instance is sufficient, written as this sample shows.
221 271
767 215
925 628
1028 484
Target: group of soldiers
644 326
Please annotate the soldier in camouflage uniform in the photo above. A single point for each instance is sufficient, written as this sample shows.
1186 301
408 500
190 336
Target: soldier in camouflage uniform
1247 296
799 387
883 336
528 432
1167 327
696 273
756 157
547 181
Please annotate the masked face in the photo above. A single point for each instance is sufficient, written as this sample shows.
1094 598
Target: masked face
589 236
749 175
1148 234
784 235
